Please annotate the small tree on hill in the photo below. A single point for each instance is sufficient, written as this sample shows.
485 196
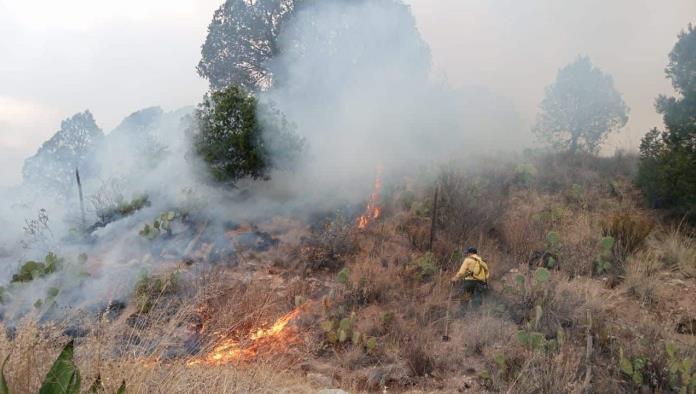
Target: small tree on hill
580 108
667 171
73 146
238 137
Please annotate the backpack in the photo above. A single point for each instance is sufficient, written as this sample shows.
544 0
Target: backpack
480 272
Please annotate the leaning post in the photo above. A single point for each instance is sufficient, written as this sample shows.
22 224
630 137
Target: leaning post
82 200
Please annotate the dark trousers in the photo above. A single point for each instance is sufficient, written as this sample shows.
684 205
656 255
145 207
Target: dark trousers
470 292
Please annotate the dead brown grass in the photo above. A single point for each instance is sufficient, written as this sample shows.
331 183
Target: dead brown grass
549 373
258 378
643 276
629 230
678 251
479 334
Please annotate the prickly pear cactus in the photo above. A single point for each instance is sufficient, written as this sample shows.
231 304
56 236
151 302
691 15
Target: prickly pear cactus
604 261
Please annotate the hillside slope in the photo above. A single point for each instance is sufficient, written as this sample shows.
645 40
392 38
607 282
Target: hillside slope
590 292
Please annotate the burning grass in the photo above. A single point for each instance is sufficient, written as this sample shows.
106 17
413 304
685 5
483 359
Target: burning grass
271 340
173 352
264 376
373 209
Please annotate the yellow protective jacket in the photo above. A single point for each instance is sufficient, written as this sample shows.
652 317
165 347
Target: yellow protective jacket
473 268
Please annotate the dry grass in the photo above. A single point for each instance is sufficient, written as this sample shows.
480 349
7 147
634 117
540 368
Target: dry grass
509 218
629 230
549 373
371 282
516 206
521 233
479 333
678 251
258 378
417 354
579 240
642 276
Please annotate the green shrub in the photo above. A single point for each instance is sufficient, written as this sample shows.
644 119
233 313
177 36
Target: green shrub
121 208
531 340
31 270
235 142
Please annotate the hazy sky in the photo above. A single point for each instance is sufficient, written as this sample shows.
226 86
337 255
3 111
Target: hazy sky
61 57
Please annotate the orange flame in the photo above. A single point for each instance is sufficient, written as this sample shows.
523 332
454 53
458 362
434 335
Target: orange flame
274 339
372 210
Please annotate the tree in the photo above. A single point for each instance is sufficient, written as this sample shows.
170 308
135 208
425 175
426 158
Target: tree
73 146
245 35
135 141
242 38
668 158
238 137
580 109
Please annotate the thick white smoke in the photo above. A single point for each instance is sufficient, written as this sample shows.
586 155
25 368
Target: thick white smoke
355 78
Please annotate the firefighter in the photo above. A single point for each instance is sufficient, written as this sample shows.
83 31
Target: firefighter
472 277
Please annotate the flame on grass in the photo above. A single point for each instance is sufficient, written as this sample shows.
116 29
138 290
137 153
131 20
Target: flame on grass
276 338
372 210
